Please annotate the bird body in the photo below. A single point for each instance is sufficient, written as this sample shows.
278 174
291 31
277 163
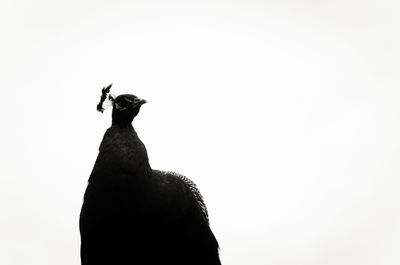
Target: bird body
133 214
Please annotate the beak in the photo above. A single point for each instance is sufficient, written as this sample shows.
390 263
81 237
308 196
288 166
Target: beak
139 102
136 102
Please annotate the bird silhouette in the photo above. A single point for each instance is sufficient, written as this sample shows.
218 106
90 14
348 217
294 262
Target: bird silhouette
133 214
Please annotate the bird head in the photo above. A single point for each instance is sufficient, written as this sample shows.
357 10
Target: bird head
125 107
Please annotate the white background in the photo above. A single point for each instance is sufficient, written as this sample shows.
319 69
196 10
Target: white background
285 113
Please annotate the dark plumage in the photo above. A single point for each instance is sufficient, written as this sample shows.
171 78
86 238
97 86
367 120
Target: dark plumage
133 214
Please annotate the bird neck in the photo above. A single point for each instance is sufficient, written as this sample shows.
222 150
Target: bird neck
122 149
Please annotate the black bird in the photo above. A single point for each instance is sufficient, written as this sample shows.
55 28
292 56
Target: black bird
133 214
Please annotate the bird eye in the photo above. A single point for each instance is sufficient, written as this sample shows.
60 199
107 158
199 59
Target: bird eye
119 105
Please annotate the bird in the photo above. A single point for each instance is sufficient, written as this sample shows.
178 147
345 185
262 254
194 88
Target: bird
133 214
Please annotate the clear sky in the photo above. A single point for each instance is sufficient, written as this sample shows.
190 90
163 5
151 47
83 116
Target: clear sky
285 113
